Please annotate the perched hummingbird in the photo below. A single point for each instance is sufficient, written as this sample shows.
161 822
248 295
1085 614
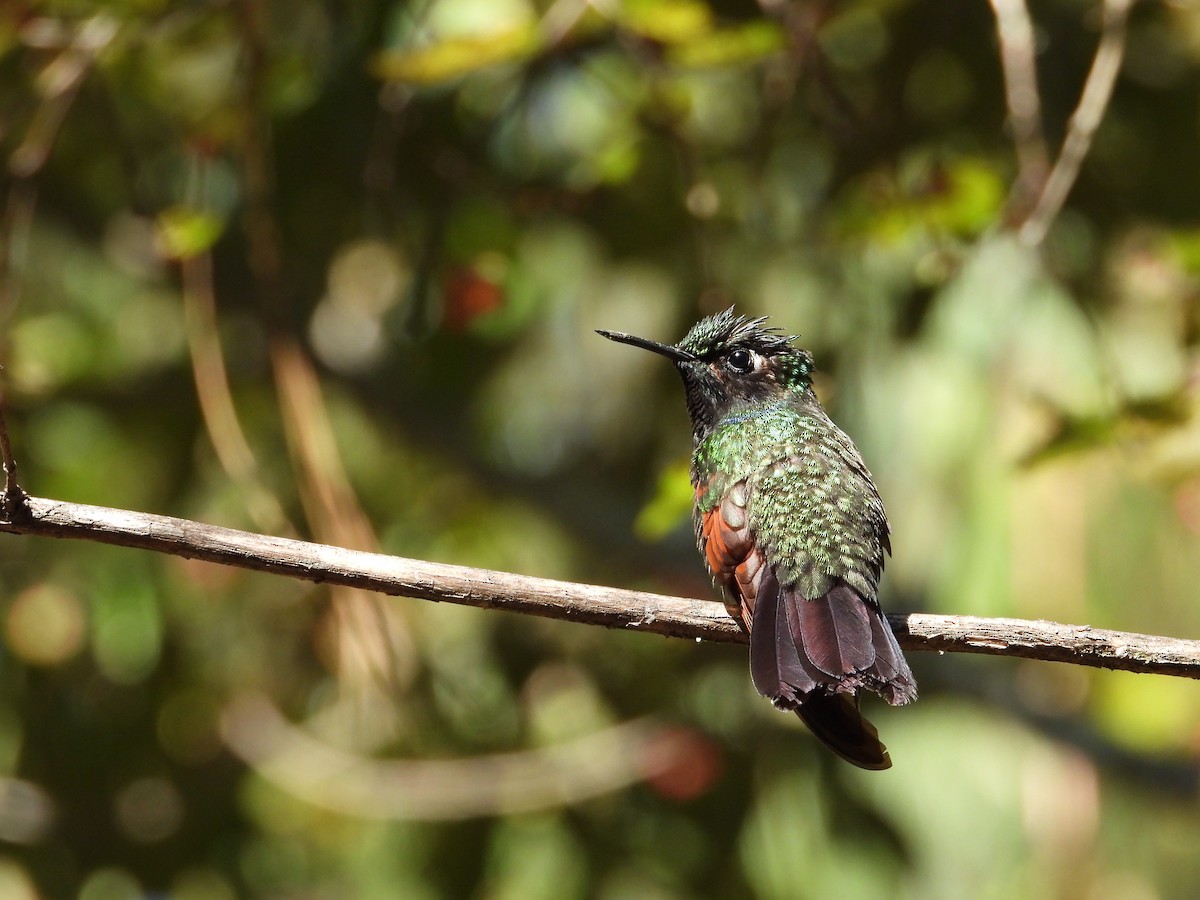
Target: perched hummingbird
791 526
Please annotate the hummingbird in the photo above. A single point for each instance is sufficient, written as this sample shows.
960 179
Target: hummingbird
791 527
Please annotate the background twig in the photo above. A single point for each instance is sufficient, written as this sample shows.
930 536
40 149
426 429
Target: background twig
1018 60
590 604
1097 91
447 789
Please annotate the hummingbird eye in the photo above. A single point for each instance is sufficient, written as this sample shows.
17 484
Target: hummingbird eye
740 360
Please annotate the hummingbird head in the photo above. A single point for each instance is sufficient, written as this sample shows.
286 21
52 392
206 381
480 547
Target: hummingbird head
728 361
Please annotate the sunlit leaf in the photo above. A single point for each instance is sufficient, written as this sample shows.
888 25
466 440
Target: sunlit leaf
1185 245
670 506
1144 713
456 57
617 162
184 232
960 196
667 21
971 200
729 46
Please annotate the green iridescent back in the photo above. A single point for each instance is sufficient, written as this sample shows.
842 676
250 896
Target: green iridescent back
813 507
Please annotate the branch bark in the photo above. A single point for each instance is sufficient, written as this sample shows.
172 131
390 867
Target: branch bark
590 604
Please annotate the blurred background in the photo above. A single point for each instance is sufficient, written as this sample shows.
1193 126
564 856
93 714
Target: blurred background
332 270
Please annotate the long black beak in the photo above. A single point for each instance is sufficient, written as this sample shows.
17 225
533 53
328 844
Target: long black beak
666 350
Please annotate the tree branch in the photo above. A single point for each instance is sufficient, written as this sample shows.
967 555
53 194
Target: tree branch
586 603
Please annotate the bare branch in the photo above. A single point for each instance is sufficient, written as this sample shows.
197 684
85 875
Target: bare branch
1097 91
1014 32
586 603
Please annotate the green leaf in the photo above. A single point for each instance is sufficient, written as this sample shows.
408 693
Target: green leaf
1185 248
184 232
729 46
450 59
666 21
670 506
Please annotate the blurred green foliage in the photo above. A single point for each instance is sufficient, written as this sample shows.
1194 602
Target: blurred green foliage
436 203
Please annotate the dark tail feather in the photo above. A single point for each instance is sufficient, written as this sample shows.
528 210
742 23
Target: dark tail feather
835 631
895 682
837 723
776 665
848 635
